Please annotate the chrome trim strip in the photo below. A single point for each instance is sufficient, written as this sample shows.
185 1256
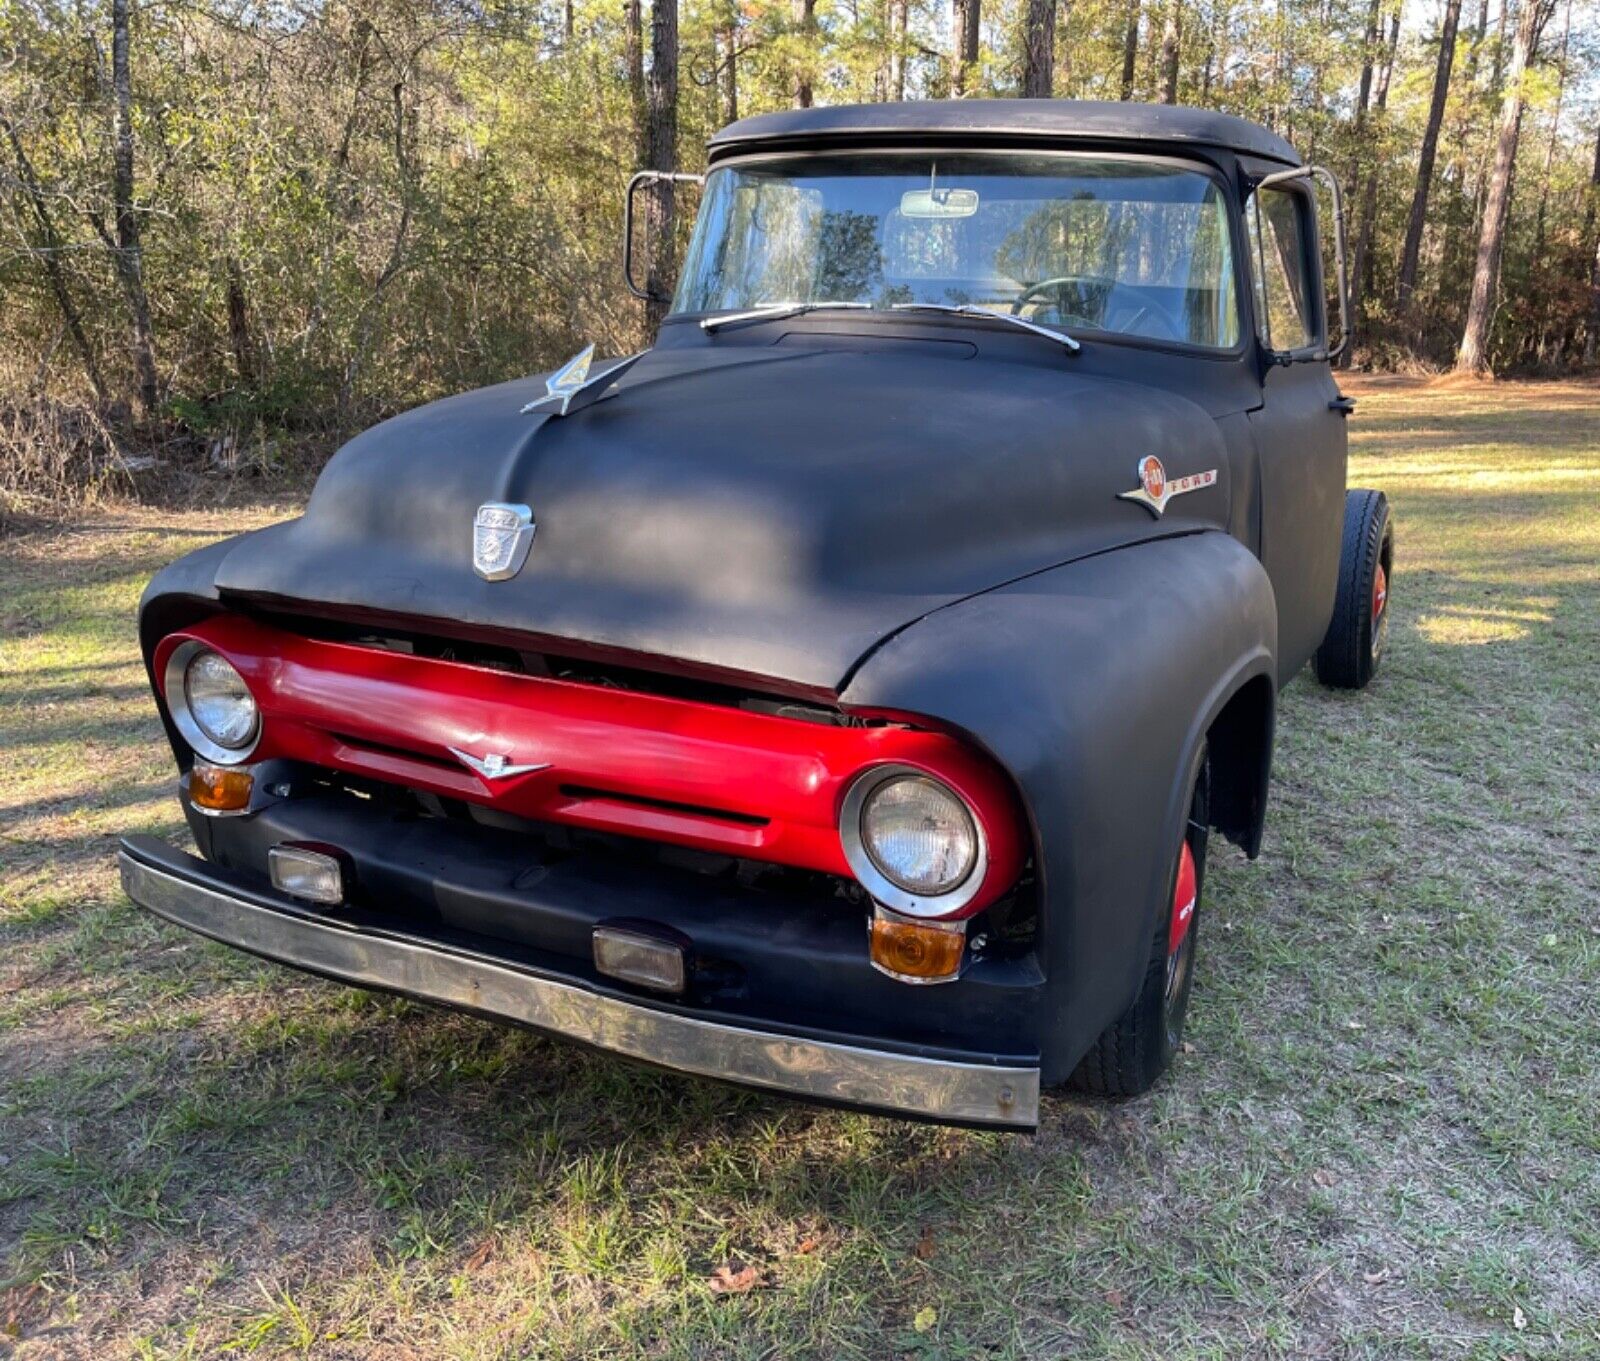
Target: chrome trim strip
936 1089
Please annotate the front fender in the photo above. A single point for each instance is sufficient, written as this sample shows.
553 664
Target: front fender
1094 684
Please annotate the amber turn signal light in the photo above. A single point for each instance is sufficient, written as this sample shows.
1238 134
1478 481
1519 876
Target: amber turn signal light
219 789
917 952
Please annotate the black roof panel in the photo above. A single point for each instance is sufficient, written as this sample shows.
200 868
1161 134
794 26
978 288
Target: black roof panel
1065 119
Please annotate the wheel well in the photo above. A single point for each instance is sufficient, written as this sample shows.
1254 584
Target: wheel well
1240 744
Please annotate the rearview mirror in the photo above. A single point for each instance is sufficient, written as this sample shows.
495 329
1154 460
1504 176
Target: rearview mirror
939 203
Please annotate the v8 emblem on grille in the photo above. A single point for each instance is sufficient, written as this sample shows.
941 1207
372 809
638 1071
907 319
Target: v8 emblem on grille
495 766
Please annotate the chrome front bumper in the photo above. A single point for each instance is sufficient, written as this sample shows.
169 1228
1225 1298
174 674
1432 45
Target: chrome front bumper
191 893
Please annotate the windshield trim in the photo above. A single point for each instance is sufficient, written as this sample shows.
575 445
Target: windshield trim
1196 164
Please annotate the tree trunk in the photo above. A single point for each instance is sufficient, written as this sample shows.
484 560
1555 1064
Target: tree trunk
661 152
1369 42
405 148
1591 335
1541 219
729 78
897 49
633 57
1500 48
1039 49
1555 137
1430 149
1364 89
806 22
239 339
129 255
1473 356
1282 120
1130 49
965 20
1361 266
1217 57
1171 39
50 258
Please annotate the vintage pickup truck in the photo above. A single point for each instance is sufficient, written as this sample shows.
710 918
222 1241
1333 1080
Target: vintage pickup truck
837 697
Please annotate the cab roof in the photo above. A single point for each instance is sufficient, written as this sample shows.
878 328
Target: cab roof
1010 120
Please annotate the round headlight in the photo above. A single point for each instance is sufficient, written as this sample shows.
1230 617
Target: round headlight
219 700
210 703
912 842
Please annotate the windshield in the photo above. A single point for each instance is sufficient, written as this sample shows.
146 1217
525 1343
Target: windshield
1076 242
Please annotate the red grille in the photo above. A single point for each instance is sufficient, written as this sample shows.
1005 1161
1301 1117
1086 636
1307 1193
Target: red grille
697 774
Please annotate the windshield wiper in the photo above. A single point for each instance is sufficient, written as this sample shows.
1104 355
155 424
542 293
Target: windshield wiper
967 309
776 311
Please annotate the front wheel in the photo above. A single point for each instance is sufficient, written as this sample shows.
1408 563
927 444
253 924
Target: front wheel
1137 1047
1350 653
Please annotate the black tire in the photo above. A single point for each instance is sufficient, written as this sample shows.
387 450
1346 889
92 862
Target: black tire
1353 648
1139 1045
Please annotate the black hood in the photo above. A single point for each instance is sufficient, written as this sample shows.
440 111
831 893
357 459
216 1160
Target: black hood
771 511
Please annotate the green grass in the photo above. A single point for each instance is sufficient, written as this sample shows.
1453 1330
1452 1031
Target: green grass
1384 1143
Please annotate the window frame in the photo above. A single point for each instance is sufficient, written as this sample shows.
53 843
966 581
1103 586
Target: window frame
1237 241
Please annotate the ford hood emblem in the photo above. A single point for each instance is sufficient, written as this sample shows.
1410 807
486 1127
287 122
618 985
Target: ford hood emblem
501 536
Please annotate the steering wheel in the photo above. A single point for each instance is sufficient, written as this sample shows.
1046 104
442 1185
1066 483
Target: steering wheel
1148 308
1055 291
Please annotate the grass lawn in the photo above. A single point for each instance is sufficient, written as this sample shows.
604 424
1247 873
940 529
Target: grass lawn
1384 1141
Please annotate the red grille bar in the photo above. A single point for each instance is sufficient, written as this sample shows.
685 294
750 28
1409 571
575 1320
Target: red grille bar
703 775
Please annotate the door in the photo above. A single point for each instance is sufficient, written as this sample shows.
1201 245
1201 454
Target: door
1299 428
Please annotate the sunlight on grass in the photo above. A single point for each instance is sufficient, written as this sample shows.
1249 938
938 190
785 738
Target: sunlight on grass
1460 626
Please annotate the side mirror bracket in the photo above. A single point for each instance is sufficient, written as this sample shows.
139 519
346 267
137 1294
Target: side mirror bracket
644 177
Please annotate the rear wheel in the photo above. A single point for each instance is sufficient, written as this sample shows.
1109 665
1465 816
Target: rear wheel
1137 1047
1349 656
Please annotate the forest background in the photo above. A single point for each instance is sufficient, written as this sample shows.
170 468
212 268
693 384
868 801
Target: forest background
232 232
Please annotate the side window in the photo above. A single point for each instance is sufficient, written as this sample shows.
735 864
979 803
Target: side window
1276 225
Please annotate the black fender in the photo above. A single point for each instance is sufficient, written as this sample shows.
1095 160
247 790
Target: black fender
1096 684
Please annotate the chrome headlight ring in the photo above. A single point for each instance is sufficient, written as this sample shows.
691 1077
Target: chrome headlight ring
175 691
880 886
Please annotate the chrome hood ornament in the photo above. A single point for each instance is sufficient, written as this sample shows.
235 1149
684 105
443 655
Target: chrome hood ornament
502 533
495 765
1155 489
566 382
570 388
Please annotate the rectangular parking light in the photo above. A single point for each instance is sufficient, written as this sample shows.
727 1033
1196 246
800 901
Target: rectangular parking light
645 961
311 874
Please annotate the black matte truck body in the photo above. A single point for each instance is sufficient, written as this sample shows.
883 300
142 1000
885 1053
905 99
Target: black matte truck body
629 782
